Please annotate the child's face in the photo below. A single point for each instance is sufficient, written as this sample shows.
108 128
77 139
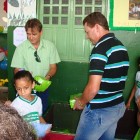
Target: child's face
24 87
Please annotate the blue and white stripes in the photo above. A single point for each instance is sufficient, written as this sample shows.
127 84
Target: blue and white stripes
115 49
109 58
117 65
107 99
99 57
114 80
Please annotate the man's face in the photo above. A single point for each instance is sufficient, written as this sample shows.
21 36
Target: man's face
91 33
34 36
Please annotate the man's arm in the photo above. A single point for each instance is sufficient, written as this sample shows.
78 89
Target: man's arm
51 72
90 91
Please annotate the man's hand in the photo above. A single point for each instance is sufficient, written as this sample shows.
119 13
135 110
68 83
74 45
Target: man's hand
78 104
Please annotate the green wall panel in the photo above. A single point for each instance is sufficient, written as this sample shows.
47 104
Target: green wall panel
62 42
81 46
71 78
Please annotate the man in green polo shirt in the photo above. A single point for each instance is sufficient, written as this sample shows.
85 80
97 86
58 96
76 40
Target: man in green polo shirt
36 55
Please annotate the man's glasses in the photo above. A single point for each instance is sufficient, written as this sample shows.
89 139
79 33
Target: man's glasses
37 58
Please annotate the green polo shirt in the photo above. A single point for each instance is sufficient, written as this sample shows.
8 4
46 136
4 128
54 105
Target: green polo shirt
24 57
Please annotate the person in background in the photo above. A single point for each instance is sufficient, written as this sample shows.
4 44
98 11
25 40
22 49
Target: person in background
102 99
136 92
36 55
29 105
12 125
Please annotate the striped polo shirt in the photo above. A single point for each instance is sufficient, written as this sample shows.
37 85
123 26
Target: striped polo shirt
109 58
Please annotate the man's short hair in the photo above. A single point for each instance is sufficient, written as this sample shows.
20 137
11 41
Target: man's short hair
96 18
33 23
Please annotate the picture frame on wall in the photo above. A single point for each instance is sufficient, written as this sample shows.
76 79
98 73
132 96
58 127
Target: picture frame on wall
124 15
19 11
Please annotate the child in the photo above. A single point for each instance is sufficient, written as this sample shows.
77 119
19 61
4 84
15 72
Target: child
28 105
136 92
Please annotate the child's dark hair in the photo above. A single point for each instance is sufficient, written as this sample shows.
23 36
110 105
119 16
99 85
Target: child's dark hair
23 74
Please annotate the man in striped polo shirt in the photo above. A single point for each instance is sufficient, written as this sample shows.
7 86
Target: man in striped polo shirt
102 98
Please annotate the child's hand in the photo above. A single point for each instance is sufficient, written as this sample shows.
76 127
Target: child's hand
128 105
8 103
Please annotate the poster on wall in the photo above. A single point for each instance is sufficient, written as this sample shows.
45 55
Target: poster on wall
124 15
19 11
19 35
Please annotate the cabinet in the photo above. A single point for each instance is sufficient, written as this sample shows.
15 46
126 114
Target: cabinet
62 24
